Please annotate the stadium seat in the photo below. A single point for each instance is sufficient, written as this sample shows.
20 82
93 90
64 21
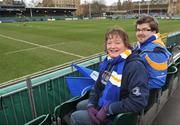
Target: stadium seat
177 63
41 120
169 48
131 118
169 87
151 109
153 98
176 75
170 76
126 119
62 112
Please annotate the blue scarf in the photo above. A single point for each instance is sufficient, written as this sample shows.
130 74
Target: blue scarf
149 40
111 75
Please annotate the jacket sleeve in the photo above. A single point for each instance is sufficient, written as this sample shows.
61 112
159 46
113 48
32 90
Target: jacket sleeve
138 92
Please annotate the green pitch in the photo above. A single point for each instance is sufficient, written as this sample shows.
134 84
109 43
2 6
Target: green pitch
26 48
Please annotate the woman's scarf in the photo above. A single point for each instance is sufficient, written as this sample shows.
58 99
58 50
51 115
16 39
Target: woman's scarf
111 76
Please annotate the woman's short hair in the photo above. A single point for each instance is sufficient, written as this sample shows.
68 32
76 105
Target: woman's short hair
119 32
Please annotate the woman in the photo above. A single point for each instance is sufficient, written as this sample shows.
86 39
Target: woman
121 85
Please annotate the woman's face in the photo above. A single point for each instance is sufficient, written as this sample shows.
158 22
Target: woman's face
115 46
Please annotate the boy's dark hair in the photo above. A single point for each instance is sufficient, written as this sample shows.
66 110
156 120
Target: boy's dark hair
153 23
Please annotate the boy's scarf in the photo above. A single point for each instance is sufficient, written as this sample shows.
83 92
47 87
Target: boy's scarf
111 92
155 38
149 40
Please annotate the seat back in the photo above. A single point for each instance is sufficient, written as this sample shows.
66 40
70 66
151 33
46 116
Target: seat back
177 63
172 69
66 108
47 120
41 120
153 98
126 119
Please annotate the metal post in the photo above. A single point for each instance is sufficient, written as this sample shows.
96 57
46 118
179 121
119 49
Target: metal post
100 58
31 97
1 104
31 12
139 8
148 7
89 10
72 67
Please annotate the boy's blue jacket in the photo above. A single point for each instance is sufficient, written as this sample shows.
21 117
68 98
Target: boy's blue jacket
134 91
155 57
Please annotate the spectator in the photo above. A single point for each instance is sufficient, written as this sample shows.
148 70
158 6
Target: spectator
152 50
121 86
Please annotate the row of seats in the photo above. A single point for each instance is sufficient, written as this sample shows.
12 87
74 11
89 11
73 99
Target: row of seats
41 120
157 99
61 113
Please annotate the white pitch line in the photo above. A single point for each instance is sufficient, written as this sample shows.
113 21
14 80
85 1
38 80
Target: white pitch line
12 52
68 53
22 50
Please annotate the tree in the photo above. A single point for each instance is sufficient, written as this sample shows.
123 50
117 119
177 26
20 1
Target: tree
82 10
119 5
97 8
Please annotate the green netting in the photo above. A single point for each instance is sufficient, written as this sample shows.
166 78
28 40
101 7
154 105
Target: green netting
48 91
16 109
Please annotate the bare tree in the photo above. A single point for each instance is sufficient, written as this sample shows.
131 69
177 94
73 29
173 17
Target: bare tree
83 10
97 8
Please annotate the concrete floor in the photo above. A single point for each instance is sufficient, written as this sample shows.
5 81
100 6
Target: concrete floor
170 113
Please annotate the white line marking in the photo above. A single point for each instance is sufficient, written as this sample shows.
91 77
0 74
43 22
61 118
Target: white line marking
68 53
22 50
12 52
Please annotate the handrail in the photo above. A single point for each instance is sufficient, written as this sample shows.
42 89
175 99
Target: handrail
50 70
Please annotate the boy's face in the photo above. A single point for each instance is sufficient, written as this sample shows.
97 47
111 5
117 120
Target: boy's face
143 32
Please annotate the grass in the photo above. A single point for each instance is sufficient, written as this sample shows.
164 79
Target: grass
26 52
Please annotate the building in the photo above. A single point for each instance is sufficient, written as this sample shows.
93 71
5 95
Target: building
17 8
142 7
159 1
11 7
174 7
61 3
10 2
